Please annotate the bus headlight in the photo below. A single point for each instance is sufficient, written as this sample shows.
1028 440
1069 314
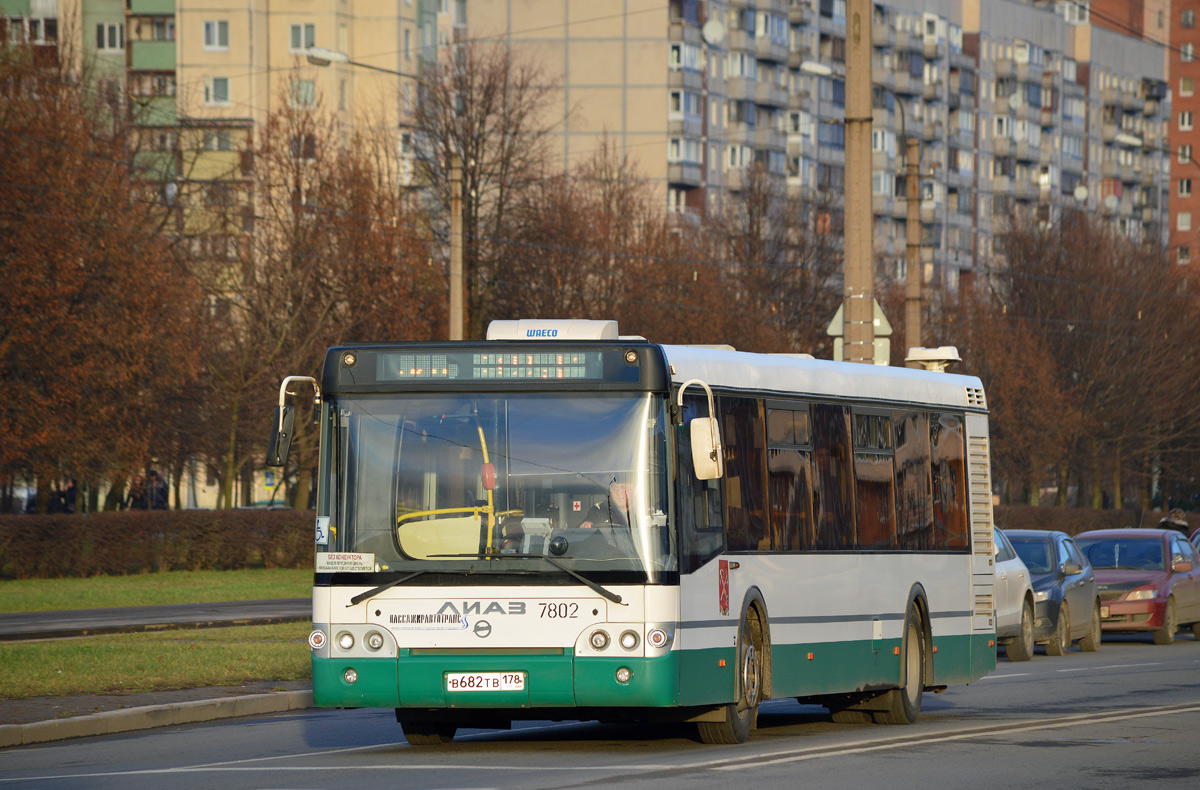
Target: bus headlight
345 640
599 640
629 640
316 640
374 640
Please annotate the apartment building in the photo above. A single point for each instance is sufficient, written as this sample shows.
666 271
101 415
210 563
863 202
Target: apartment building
1019 105
1022 105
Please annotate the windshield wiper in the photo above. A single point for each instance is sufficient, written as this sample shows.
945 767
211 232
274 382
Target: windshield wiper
609 594
389 585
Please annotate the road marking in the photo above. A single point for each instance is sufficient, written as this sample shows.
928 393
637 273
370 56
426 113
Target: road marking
924 740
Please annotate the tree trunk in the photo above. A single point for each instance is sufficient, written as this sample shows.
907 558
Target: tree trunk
1118 499
228 480
1064 481
115 498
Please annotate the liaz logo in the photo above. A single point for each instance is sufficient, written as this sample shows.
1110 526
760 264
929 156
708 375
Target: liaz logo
478 607
541 333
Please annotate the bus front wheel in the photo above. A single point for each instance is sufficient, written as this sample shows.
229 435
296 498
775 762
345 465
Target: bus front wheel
740 716
422 732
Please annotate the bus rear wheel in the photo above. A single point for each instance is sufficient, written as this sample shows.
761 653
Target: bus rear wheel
422 732
741 715
904 703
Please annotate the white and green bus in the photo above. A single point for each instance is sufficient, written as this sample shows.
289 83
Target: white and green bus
562 523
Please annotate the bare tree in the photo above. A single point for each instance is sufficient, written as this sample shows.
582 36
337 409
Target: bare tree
491 108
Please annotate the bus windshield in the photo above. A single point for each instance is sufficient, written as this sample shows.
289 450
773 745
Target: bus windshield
440 481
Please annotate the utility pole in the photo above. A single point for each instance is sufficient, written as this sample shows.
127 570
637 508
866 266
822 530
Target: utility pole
858 292
456 252
912 249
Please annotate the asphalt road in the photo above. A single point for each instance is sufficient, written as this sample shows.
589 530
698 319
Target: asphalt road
82 622
1122 718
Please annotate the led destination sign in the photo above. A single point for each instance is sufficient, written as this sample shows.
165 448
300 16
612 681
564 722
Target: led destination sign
495 365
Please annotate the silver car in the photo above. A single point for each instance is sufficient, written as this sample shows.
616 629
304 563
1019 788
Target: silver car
1014 601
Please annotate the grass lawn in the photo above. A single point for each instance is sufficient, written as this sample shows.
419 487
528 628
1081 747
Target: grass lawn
155 660
149 589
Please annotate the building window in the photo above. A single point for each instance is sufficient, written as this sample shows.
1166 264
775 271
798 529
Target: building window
1183 221
110 37
1185 154
1187 52
216 91
1185 187
216 35
1188 19
1185 120
1183 255
1186 86
303 93
303 37
304 146
341 94
218 141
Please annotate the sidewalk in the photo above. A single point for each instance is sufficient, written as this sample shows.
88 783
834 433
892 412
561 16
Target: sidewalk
41 719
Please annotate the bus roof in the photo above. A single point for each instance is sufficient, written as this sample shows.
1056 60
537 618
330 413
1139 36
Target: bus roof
790 374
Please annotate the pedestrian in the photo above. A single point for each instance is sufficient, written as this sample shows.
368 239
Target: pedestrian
137 499
157 491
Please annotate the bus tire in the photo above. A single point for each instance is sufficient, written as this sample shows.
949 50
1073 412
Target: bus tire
422 732
740 716
904 703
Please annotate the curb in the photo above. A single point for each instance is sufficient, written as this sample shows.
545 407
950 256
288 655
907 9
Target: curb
116 721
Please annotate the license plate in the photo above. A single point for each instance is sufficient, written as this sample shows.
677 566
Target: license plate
1104 611
485 681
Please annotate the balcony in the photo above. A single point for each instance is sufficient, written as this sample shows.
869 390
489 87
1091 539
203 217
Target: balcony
907 41
741 41
685 78
1002 147
770 139
152 7
681 31
685 174
739 133
685 127
1025 152
152 56
932 132
1026 190
883 35
799 14
907 85
935 50
1108 132
882 205
1004 68
933 91
963 61
1110 97
1110 170
1132 101
740 88
929 212
961 138
771 95
1047 117
766 49
882 160
154 110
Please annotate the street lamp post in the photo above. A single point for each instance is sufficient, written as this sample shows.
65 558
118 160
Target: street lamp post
320 56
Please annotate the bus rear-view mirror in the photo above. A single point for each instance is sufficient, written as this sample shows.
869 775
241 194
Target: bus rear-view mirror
282 431
707 458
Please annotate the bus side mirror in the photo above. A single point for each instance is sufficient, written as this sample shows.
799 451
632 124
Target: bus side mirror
282 430
707 457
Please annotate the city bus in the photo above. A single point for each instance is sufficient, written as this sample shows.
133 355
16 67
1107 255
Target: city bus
563 523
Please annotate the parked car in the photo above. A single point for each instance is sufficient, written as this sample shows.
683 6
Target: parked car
1066 602
1149 580
1014 601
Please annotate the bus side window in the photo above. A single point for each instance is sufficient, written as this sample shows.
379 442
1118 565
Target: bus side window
698 503
743 432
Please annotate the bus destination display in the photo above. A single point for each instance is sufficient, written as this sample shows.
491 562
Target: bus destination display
495 365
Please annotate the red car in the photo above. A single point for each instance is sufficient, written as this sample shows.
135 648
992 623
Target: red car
1148 579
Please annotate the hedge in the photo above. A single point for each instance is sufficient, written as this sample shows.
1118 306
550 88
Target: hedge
1073 520
50 546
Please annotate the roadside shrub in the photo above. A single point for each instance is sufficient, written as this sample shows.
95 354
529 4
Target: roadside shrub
1073 520
49 546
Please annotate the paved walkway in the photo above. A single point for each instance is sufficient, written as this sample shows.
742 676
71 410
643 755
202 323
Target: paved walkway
40 719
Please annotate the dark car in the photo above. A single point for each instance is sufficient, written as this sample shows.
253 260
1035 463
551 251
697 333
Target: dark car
1149 580
1066 601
